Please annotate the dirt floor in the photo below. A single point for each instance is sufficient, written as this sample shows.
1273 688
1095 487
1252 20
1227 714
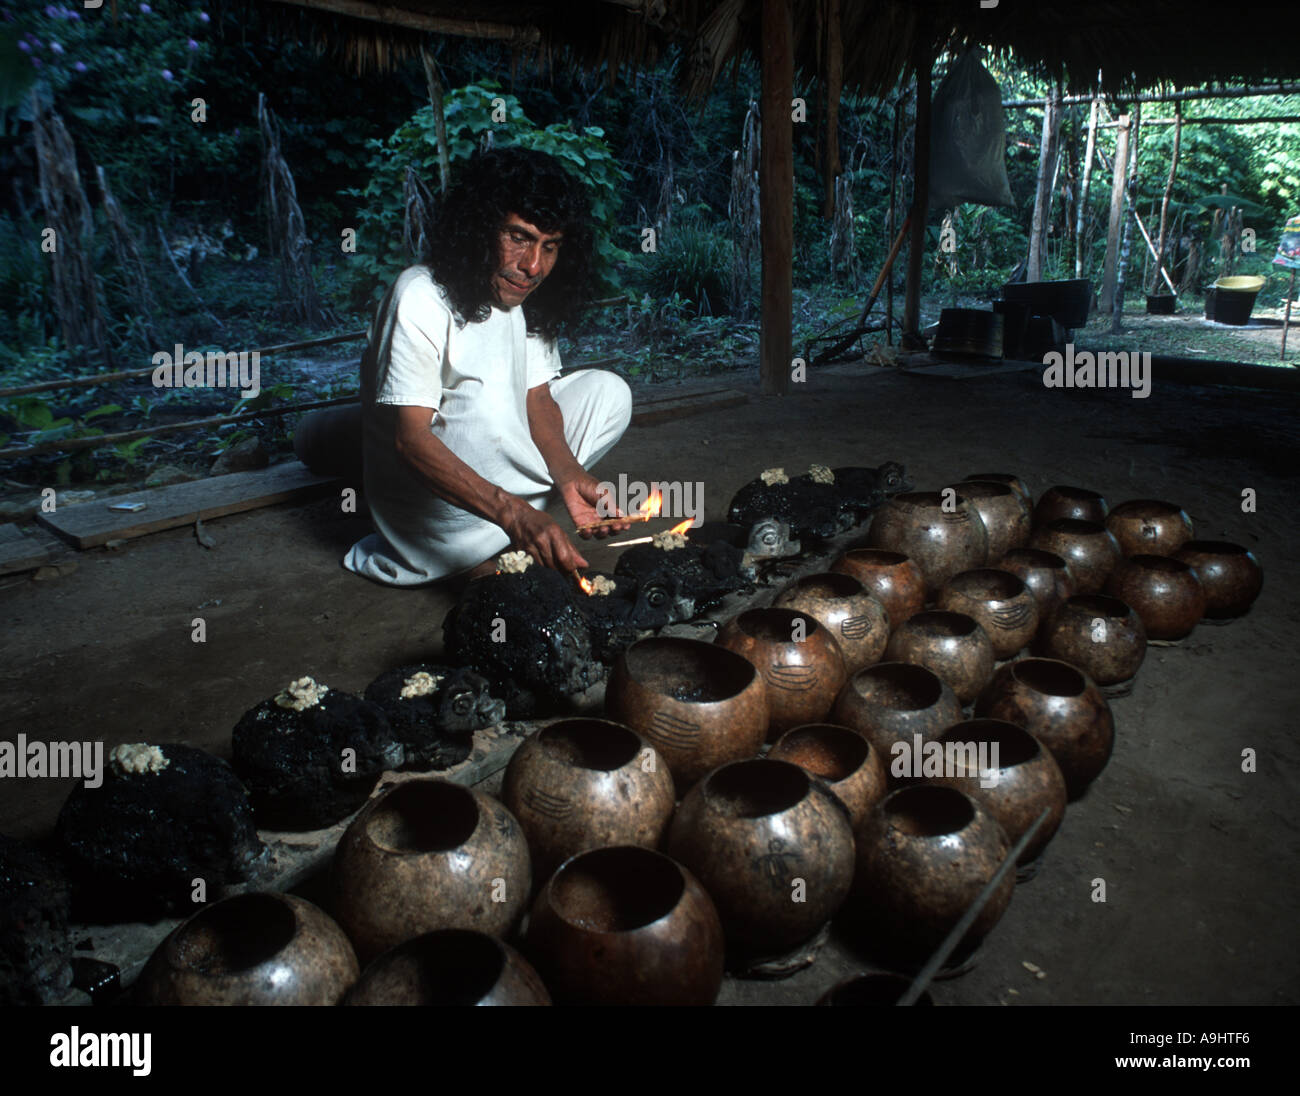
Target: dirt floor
1198 857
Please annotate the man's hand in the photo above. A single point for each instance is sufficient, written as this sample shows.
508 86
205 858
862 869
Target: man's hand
582 496
539 535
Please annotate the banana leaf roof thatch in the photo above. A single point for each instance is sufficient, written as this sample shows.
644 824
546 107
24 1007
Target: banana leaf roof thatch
1133 44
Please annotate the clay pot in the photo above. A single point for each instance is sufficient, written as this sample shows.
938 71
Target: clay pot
696 703
1004 512
890 577
1230 575
895 701
1014 482
1021 779
876 988
1090 550
580 784
842 605
941 542
1060 707
923 855
999 602
1099 635
426 855
450 967
846 761
953 645
1149 527
251 949
1164 592
1047 575
800 661
626 926
1076 503
759 834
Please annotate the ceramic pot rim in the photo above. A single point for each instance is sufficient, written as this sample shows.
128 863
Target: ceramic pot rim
904 676
436 806
707 658
654 861
1024 747
1035 667
836 584
1216 548
963 582
765 780
838 739
1038 558
231 920
960 810
591 736
761 623
1133 508
884 556
452 951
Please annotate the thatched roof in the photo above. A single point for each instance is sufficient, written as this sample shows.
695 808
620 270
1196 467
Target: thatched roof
1136 44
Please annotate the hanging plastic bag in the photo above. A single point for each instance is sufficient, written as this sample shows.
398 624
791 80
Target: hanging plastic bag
968 138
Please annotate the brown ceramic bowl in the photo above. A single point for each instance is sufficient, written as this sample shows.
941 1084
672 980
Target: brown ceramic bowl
1014 482
626 926
1230 575
890 577
1047 575
876 988
844 759
1076 503
800 661
1149 527
923 855
696 703
892 702
450 967
842 605
941 539
773 848
953 645
1004 512
1009 772
1090 550
580 784
1060 707
426 855
999 602
251 949
1164 592
1099 635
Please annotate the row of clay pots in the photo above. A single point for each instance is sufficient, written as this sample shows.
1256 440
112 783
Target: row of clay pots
897 702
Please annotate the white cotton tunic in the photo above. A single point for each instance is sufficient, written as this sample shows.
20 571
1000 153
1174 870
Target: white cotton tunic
476 377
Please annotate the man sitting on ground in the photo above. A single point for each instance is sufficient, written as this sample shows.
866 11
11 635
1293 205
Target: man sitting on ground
469 428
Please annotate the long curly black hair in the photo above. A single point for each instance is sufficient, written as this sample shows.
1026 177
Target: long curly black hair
463 246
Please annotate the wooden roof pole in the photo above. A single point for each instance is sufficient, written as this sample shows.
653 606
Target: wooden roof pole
418 20
776 196
1118 176
920 185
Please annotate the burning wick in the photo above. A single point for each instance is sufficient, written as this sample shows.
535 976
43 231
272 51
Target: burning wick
649 509
680 527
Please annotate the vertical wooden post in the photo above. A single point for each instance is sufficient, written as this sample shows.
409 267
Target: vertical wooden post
1286 320
776 195
1081 220
1043 192
889 232
1129 208
1107 298
920 185
1169 186
834 81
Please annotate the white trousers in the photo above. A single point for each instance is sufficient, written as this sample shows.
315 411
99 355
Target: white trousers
413 549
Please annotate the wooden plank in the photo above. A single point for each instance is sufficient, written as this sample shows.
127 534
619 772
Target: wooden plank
665 410
923 63
91 524
23 552
1118 174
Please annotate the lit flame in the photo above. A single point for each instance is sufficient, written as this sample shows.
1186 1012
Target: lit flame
652 506
682 526
586 584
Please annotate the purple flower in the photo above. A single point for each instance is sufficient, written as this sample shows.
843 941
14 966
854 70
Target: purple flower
56 47
51 12
203 17
80 66
74 15
193 45
145 9
166 74
25 46
36 62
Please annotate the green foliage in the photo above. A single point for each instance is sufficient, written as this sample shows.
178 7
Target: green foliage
691 264
468 112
